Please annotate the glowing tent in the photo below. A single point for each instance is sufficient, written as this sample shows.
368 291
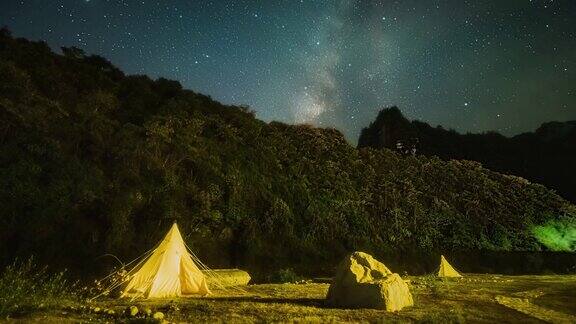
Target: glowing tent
169 271
446 270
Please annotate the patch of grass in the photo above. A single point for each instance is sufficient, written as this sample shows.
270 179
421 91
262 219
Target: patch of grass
468 299
455 315
25 287
432 284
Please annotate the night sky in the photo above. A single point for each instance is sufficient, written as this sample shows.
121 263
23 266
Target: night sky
504 65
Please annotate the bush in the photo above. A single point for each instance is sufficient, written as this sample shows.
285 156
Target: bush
24 288
285 276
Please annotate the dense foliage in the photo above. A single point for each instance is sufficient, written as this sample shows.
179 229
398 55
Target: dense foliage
93 162
546 156
557 235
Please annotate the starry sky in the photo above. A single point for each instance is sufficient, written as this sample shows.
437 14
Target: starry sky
470 65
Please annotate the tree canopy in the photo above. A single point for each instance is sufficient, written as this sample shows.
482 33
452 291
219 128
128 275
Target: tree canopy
546 156
93 161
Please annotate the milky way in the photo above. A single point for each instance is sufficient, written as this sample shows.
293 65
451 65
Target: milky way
469 65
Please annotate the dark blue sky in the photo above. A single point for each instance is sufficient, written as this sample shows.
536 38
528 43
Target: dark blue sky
469 65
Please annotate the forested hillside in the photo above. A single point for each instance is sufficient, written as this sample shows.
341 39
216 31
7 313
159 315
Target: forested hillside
93 161
546 156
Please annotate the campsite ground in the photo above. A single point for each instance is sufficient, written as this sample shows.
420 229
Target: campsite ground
474 298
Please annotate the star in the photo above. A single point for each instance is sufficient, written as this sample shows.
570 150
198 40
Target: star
347 59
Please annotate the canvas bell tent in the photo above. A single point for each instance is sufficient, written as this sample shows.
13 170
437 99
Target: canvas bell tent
446 270
170 270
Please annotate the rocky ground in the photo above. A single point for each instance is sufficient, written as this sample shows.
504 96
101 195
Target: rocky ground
474 298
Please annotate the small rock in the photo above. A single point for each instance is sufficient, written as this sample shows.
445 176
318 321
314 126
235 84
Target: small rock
133 311
148 312
97 309
158 316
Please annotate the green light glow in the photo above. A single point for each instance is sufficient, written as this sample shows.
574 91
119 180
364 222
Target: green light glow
557 235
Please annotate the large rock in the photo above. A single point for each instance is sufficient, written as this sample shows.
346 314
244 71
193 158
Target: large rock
227 277
363 282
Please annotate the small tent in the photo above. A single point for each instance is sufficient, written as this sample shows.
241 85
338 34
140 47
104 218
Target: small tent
169 271
446 270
